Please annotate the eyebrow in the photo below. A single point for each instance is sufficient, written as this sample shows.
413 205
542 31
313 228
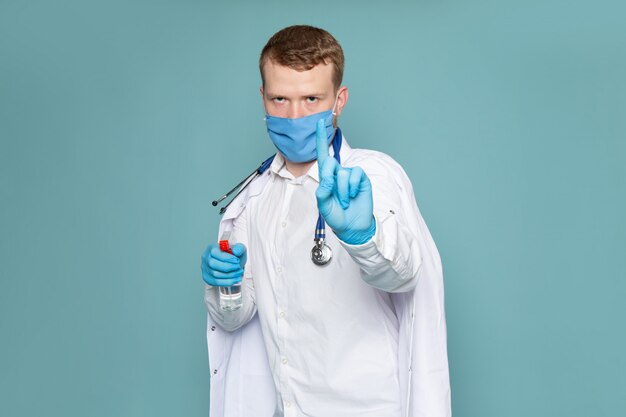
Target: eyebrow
273 95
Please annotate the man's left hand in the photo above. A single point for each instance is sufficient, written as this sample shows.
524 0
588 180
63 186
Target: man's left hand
344 195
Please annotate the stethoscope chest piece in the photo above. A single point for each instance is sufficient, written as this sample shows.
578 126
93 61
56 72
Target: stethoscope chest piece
321 253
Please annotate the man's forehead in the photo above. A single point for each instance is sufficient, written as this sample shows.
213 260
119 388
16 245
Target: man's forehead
279 78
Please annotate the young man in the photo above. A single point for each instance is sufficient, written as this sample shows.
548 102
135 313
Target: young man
362 334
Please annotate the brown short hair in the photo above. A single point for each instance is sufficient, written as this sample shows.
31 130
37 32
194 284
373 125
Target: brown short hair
302 47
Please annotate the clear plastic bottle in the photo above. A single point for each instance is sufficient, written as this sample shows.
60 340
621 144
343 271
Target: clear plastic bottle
230 297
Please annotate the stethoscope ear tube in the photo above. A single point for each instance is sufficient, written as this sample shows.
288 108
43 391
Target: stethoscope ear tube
243 184
225 196
247 181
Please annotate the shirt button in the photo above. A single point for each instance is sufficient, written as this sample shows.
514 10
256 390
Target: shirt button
279 269
285 361
282 315
287 403
284 224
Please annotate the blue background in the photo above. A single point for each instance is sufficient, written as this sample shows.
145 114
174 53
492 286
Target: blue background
120 121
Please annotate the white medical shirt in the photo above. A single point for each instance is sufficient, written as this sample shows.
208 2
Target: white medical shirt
330 332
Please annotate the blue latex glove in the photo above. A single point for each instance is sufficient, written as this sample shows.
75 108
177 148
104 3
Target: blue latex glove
344 195
221 269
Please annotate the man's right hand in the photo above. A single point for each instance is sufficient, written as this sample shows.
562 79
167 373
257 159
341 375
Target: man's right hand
221 269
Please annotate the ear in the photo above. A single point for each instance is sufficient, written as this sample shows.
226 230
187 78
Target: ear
342 99
261 91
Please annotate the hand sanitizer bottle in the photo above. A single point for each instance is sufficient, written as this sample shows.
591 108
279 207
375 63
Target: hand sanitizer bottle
230 297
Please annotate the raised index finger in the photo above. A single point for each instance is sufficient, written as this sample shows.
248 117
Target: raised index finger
321 139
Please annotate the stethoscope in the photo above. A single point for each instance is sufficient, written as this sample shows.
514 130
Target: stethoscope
321 254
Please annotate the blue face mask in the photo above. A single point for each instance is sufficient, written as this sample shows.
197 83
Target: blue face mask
295 138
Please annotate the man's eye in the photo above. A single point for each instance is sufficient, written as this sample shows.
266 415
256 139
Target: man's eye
311 99
279 99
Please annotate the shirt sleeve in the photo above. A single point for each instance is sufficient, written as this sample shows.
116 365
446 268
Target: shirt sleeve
232 320
391 260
